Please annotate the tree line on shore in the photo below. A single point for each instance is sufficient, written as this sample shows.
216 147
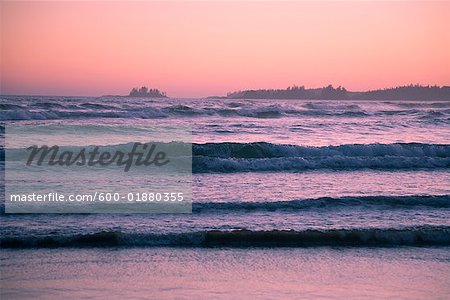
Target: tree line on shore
409 92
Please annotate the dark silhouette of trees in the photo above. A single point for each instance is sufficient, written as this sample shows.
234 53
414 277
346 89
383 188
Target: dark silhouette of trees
410 92
146 92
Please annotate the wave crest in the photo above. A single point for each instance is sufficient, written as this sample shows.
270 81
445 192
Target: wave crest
361 237
390 202
255 157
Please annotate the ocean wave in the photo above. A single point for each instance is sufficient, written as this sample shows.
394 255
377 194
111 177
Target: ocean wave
52 110
443 104
266 157
269 150
25 114
7 106
389 202
96 106
255 157
322 203
332 106
46 105
360 237
298 164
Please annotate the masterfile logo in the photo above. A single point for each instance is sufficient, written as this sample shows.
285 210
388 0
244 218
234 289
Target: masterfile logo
71 169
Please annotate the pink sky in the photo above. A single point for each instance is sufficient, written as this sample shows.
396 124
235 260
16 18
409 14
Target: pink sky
209 48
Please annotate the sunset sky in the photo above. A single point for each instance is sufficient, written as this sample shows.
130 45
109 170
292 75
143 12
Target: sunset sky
196 49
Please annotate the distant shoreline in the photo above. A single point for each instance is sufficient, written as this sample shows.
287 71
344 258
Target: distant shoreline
407 93
403 93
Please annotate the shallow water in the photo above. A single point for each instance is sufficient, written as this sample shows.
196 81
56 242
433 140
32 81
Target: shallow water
287 273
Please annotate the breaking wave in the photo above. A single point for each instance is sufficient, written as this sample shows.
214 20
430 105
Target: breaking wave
362 237
89 108
254 157
389 202
267 157
49 111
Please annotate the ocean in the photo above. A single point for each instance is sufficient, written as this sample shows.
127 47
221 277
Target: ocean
291 199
